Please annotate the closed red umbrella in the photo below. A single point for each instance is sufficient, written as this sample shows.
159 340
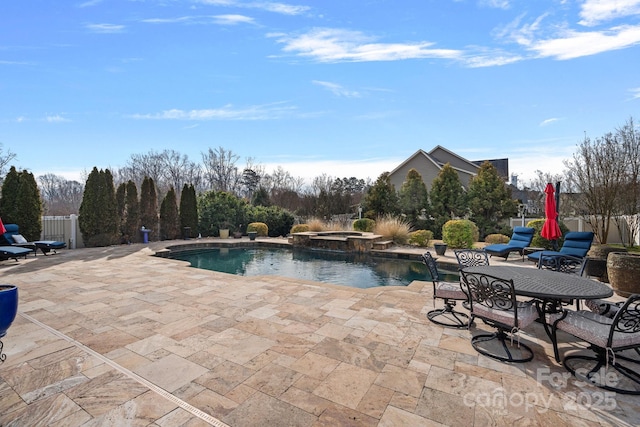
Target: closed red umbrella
2 229
550 229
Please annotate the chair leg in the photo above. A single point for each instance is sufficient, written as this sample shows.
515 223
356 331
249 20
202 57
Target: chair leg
620 375
505 351
448 317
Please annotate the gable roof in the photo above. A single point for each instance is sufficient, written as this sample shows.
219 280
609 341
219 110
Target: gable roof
419 153
443 156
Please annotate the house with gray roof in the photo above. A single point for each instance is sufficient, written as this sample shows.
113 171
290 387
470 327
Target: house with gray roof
429 164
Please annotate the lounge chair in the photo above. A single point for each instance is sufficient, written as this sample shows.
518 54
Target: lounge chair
13 237
520 239
13 252
576 243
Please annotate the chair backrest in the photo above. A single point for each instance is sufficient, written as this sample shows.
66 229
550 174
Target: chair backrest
430 262
563 263
491 292
627 319
577 243
11 229
471 257
521 237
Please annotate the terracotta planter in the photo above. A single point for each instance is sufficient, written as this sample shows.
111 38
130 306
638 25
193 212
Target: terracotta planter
624 270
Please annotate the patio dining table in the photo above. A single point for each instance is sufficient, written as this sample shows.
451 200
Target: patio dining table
548 288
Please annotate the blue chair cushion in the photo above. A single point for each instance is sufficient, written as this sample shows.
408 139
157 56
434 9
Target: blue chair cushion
520 239
576 243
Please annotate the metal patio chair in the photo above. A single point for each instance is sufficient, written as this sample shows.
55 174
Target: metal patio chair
449 292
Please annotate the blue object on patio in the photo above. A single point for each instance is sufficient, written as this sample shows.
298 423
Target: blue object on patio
13 252
576 243
520 239
13 237
8 310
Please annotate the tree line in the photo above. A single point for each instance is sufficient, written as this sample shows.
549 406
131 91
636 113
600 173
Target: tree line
600 183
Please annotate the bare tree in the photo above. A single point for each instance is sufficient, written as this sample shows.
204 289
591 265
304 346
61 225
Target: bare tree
5 159
627 218
178 170
60 196
598 168
220 170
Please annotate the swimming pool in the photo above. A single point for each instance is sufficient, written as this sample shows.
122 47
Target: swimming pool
349 269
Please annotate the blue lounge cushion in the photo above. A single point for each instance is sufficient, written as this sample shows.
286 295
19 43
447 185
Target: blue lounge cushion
576 243
11 229
7 252
520 239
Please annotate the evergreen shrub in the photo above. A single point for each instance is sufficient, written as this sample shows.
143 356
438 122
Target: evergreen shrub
278 220
539 241
300 228
364 224
259 227
496 238
460 233
421 238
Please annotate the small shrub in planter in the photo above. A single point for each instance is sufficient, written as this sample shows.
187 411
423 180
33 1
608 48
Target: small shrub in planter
460 233
364 224
496 238
259 227
421 238
299 228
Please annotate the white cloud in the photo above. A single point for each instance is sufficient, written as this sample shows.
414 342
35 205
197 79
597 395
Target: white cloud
255 112
105 28
499 4
216 19
635 92
56 119
549 121
575 44
282 8
594 12
90 3
337 89
338 45
232 19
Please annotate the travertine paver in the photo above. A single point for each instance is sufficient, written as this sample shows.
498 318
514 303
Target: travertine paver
114 336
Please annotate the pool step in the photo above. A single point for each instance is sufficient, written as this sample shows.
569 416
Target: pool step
386 244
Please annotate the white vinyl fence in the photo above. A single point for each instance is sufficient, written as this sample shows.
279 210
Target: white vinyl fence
62 229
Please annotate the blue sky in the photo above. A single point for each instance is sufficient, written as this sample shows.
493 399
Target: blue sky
343 88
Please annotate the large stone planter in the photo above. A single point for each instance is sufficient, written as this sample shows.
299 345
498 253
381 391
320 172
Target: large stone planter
624 272
597 261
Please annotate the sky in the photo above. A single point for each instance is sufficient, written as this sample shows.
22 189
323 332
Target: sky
342 88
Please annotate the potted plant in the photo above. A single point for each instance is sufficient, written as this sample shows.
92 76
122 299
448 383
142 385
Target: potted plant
440 248
238 232
224 230
8 310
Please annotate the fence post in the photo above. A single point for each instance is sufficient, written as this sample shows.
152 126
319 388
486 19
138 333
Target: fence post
72 238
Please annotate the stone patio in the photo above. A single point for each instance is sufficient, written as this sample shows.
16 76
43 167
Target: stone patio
115 336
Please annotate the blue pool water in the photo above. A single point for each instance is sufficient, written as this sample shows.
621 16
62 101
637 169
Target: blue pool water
355 270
